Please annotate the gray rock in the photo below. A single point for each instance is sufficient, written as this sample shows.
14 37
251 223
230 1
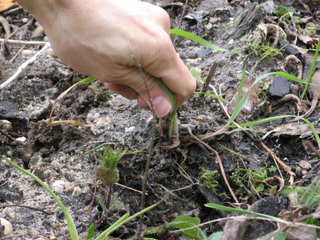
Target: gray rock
280 86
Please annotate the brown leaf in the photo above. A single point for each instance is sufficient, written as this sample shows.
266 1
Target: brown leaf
252 100
5 4
306 39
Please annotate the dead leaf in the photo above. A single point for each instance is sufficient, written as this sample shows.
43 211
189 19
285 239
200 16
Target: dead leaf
306 39
275 181
5 4
252 100
290 129
301 233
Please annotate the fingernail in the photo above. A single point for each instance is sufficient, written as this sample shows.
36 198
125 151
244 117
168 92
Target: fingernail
161 106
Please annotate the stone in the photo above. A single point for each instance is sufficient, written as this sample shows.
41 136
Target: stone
5 227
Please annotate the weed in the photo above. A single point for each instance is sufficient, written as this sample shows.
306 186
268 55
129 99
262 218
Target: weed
108 172
249 179
284 12
208 179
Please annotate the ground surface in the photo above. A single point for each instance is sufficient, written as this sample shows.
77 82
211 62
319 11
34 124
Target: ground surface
59 154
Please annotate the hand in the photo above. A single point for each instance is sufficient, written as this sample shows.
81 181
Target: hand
109 39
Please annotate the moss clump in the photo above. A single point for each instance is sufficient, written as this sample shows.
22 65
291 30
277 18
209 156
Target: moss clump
208 179
265 51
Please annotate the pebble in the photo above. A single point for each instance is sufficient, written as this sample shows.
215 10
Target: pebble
10 213
8 229
304 164
21 139
130 129
59 186
5 125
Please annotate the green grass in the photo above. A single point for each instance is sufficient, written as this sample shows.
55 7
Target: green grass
313 67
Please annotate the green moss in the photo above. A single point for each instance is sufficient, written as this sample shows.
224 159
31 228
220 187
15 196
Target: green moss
265 51
208 179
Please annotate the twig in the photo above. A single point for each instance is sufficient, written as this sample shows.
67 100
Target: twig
129 188
23 42
150 153
28 207
210 75
17 54
7 12
218 159
181 19
6 26
281 163
23 66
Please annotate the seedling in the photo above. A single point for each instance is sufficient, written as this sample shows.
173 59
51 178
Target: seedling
108 172
249 180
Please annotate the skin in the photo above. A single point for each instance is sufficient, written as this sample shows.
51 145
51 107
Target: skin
109 39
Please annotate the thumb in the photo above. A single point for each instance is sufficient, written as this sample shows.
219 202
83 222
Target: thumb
150 95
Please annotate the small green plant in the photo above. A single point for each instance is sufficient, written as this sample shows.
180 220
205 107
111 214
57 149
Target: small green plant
265 51
108 172
249 179
284 12
208 179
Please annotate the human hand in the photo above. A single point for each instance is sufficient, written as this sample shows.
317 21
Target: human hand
109 39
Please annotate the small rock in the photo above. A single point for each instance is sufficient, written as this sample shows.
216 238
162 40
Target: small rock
21 139
10 213
130 129
5 125
304 164
280 86
59 186
5 227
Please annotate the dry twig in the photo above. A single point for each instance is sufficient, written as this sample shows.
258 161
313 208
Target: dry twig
23 66
219 161
280 162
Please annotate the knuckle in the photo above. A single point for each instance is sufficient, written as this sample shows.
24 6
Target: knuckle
164 18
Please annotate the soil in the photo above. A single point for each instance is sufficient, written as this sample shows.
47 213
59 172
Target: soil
66 156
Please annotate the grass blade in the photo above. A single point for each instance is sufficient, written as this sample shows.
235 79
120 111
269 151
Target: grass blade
123 220
241 211
197 39
274 118
289 76
313 66
71 226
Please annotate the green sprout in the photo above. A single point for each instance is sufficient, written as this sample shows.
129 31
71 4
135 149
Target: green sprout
108 172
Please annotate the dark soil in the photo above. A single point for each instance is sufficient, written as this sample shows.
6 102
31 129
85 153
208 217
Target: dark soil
60 155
